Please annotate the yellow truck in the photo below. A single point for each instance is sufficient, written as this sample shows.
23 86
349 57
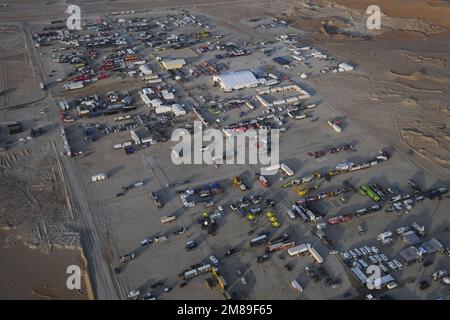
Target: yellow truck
238 183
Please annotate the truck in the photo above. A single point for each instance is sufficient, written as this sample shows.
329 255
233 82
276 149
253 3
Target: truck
336 125
291 214
127 257
369 192
264 182
238 183
279 246
317 257
296 286
298 250
99 176
231 252
155 199
283 237
258 240
262 258
286 170
250 105
384 235
191 245
167 219
419 229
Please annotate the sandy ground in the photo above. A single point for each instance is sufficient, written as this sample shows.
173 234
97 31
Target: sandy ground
18 81
435 11
33 274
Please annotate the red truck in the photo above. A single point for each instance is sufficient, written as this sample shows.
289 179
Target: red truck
263 181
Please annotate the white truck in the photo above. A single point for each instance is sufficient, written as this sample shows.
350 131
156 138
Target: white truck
286 170
99 176
298 249
296 286
335 125
384 235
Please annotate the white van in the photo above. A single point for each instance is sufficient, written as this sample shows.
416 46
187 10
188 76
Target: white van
98 177
392 285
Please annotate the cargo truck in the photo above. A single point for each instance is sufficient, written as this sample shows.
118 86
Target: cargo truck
296 286
167 219
384 235
238 183
155 199
368 191
127 257
286 170
258 240
336 125
264 182
98 177
298 250
279 246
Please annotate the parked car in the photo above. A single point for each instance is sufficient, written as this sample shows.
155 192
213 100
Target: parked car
146 241
384 257
363 263
270 203
373 260
377 256
398 264
191 245
148 296
214 260
353 254
262 258
133 294
392 265
231 252
383 267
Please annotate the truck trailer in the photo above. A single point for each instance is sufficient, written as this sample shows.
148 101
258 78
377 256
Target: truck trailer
167 219
286 170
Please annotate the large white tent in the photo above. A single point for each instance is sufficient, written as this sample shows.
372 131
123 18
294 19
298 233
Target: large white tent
236 80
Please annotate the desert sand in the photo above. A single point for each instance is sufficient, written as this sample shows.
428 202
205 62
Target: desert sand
34 274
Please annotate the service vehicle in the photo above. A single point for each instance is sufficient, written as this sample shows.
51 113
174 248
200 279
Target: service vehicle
191 245
146 241
133 294
214 260
262 258
127 257
167 219
155 199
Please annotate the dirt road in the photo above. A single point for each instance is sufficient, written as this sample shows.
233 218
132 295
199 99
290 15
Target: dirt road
92 239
